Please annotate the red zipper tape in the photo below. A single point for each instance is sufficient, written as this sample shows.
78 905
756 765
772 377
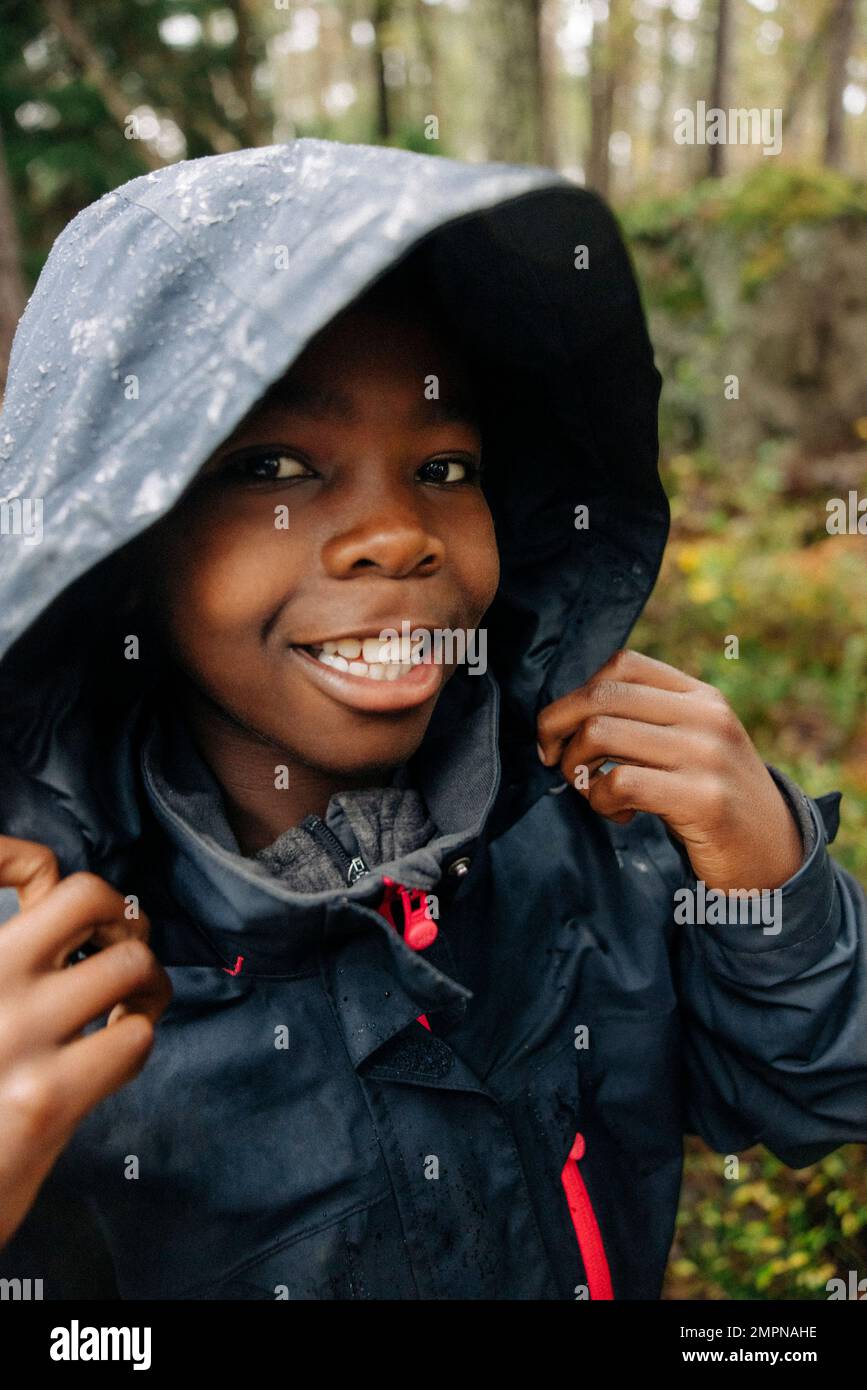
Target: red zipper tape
586 1226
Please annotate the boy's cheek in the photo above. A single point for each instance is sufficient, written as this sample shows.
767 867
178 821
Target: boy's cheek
222 578
486 575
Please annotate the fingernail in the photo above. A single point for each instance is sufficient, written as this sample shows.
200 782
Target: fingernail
539 751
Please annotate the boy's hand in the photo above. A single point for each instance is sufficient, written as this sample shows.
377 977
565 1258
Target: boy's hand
685 757
50 1076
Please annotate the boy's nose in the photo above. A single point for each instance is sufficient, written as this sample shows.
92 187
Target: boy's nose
396 546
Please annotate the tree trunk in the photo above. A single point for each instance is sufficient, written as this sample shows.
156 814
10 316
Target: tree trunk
601 103
85 54
256 125
719 81
661 136
427 30
13 295
508 88
545 70
89 60
809 61
842 26
381 18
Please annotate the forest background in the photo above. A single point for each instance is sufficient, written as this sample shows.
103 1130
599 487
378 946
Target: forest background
753 268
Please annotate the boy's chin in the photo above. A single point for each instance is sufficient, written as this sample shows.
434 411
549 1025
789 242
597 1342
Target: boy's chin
364 748
371 760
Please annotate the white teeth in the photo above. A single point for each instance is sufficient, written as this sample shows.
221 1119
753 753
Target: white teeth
371 650
375 670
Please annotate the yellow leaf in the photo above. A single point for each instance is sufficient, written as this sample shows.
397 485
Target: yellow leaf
689 558
701 589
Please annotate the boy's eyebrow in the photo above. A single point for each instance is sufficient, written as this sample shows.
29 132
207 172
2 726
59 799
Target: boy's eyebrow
460 409
320 400
295 394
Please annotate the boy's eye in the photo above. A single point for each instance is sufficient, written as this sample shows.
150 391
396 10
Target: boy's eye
452 470
270 466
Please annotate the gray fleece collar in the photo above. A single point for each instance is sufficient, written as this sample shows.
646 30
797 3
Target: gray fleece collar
361 829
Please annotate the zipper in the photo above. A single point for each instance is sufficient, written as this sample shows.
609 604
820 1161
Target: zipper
417 928
353 868
586 1226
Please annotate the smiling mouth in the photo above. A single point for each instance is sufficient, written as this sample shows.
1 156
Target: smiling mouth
367 657
368 674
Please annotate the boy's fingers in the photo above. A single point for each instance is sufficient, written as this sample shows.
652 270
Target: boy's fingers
626 789
628 740
55 1093
606 699
30 868
102 934
628 665
630 668
104 1061
151 1001
624 668
61 1003
77 909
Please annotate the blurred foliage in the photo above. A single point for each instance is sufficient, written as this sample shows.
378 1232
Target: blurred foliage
750 557
770 1233
750 561
63 149
759 279
747 561
758 209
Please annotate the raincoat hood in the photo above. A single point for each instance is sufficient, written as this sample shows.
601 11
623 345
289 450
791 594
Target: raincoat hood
167 308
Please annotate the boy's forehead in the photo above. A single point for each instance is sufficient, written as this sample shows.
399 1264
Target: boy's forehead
373 359
334 397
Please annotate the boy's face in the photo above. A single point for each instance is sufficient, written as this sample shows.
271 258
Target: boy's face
346 503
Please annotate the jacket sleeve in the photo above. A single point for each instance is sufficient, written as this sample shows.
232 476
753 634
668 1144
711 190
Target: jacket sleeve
775 1022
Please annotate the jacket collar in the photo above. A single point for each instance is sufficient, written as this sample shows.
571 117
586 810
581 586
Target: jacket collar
241 910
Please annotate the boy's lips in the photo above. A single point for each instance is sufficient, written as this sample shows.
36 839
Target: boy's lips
413 685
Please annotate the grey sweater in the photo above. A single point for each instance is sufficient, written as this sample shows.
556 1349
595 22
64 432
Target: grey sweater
377 824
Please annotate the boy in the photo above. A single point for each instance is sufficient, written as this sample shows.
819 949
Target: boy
438 1021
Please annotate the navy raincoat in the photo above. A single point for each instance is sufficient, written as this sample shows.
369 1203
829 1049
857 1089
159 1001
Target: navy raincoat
298 1131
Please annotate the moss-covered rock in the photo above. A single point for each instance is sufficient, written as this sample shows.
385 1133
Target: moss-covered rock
762 278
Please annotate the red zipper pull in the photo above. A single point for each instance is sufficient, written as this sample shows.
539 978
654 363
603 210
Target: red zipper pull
586 1226
419 929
